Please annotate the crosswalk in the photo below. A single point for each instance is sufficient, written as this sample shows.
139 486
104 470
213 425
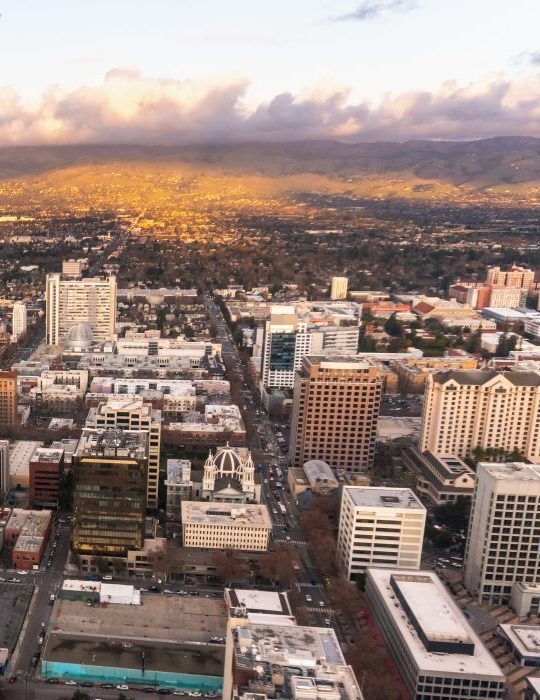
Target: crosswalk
305 584
300 543
326 611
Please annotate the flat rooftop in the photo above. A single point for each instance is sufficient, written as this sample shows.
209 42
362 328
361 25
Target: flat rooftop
202 513
514 471
101 442
525 638
164 618
14 600
258 601
440 615
47 454
383 497
20 455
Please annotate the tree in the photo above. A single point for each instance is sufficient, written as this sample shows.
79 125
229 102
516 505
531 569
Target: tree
393 327
277 566
455 515
80 695
101 564
229 566
474 342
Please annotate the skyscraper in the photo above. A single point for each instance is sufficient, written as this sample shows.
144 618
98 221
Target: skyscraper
70 302
19 319
8 399
335 411
109 500
339 288
504 531
468 409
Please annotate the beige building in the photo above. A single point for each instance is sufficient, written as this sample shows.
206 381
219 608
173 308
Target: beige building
225 526
504 531
514 277
72 302
8 399
133 414
335 411
465 409
379 526
19 320
339 288
442 478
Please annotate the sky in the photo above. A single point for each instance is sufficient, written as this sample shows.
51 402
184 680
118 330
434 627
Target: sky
181 71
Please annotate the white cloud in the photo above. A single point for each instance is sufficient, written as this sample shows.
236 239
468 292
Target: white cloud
130 108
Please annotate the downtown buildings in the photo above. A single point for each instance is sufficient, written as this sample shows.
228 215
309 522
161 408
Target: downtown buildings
467 410
335 411
8 399
19 321
72 302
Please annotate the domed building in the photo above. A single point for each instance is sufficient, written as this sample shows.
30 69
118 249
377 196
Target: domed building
229 476
79 338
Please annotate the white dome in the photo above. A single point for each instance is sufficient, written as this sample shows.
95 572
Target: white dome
227 460
79 336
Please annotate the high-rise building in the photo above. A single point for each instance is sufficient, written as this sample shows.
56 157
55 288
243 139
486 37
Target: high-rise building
109 499
380 526
468 409
19 319
435 649
516 276
72 302
4 469
8 399
45 470
290 335
133 414
73 268
335 411
339 288
504 531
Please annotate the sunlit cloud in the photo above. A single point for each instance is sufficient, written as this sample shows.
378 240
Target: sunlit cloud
130 108
375 9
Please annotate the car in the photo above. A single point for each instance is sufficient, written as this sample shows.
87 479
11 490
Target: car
180 693
148 690
70 682
321 604
106 685
195 694
327 621
52 681
52 598
40 640
309 598
86 684
168 591
122 686
107 578
2 578
23 573
164 691
154 589
15 580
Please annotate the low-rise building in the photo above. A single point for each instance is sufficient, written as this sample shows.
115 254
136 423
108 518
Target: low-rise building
225 526
525 598
441 478
532 688
523 641
19 462
379 526
437 652
27 533
178 484
315 476
220 423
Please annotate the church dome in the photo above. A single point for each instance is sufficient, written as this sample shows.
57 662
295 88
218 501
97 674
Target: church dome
227 460
79 337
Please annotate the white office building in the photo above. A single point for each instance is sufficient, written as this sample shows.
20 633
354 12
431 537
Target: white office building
339 288
380 526
19 322
504 531
436 651
90 302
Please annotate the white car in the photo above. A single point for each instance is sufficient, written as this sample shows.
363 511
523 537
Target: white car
309 598
70 683
122 687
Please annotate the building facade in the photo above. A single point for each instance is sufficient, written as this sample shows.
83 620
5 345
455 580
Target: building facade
514 277
468 409
436 651
226 526
133 414
441 478
339 288
335 410
504 531
379 526
8 399
109 500
70 302
19 322
46 467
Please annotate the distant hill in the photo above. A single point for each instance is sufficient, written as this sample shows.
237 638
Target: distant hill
507 167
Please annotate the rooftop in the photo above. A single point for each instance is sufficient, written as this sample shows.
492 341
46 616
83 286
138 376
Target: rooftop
478 377
429 605
47 454
178 472
202 513
318 471
525 638
20 455
269 602
515 471
112 443
383 497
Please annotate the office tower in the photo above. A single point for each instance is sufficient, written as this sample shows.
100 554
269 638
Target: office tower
290 334
109 499
4 469
379 526
335 411
514 277
45 470
468 409
90 302
8 399
435 649
18 319
339 288
226 526
72 268
135 415
504 530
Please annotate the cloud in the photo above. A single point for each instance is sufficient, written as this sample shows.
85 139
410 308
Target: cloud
532 57
374 9
130 108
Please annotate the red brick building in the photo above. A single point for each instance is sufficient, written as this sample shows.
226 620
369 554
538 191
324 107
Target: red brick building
46 467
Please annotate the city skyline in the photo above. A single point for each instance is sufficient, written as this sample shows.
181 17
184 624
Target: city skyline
173 73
